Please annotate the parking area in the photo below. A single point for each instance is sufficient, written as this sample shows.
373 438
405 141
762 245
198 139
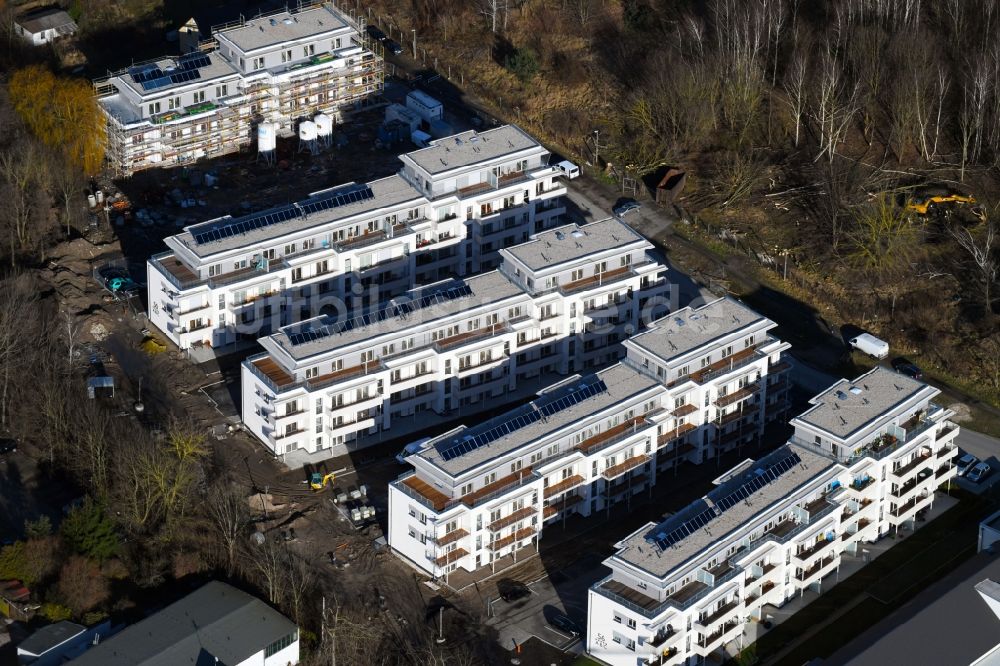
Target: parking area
561 592
987 450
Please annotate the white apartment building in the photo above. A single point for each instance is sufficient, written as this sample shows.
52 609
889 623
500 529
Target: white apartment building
452 345
864 461
478 494
355 245
276 68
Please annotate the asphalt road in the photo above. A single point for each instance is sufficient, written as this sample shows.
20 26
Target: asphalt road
985 448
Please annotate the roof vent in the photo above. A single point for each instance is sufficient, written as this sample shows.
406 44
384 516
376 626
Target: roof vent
273 22
287 21
855 390
841 395
578 234
559 235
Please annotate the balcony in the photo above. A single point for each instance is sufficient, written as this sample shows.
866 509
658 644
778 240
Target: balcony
684 410
912 465
901 511
904 490
661 638
289 433
719 613
499 487
858 485
624 466
506 521
569 483
624 483
453 341
724 366
736 396
818 547
676 433
451 556
710 639
273 374
425 493
364 240
520 535
452 536
323 381
595 281
560 505
816 568
611 436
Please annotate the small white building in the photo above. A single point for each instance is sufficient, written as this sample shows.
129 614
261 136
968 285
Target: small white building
44 26
424 105
55 644
215 624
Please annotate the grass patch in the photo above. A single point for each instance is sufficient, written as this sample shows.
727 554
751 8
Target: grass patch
919 559
585 661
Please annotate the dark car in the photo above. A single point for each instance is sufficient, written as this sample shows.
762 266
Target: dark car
512 590
564 624
375 33
626 206
7 446
904 367
393 47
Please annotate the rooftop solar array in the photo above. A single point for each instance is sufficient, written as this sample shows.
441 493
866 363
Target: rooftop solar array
761 478
393 311
530 414
151 77
571 399
214 231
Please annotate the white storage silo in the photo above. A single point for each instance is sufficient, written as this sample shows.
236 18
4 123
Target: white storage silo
307 136
267 141
324 129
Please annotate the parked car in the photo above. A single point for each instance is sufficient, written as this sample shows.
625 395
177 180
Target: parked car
564 624
7 446
393 47
979 472
869 344
512 590
626 206
375 33
965 463
568 169
904 367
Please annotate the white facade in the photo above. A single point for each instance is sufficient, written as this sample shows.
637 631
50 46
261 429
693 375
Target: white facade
477 494
275 68
864 461
45 26
355 245
451 346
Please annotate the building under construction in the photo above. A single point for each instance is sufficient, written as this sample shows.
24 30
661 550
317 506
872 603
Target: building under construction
259 75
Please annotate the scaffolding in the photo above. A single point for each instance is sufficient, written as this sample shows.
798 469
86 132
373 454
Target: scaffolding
224 126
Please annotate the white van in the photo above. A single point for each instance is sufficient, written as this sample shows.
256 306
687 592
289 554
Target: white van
410 449
869 344
568 169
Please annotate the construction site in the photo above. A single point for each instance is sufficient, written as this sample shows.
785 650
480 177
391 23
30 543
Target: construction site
174 110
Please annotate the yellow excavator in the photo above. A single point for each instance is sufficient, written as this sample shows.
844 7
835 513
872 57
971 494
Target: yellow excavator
319 481
921 203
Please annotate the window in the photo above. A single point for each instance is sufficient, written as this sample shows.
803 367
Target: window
199 96
258 63
310 373
309 50
489 478
618 618
319 405
631 623
336 43
154 108
222 91
280 644
286 56
466 489
174 103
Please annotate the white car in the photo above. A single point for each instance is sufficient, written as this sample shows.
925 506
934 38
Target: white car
966 463
979 472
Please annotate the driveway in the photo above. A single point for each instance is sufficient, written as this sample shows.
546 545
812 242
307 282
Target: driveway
985 448
563 591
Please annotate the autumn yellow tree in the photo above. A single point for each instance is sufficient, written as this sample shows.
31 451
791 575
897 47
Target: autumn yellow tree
62 112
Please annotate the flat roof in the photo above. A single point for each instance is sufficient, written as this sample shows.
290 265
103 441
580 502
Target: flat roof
50 636
387 192
622 382
485 289
571 242
264 31
848 406
217 68
948 622
639 551
215 622
687 329
472 147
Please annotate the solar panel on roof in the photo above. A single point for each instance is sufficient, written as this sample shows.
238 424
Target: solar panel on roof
185 75
147 73
194 60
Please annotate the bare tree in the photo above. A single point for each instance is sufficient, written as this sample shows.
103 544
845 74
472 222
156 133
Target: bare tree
19 298
227 507
795 89
981 248
835 105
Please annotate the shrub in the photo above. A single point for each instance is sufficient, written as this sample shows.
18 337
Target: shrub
88 531
523 63
55 612
82 586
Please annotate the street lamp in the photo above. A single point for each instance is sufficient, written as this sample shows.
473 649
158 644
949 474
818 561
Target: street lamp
414 31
